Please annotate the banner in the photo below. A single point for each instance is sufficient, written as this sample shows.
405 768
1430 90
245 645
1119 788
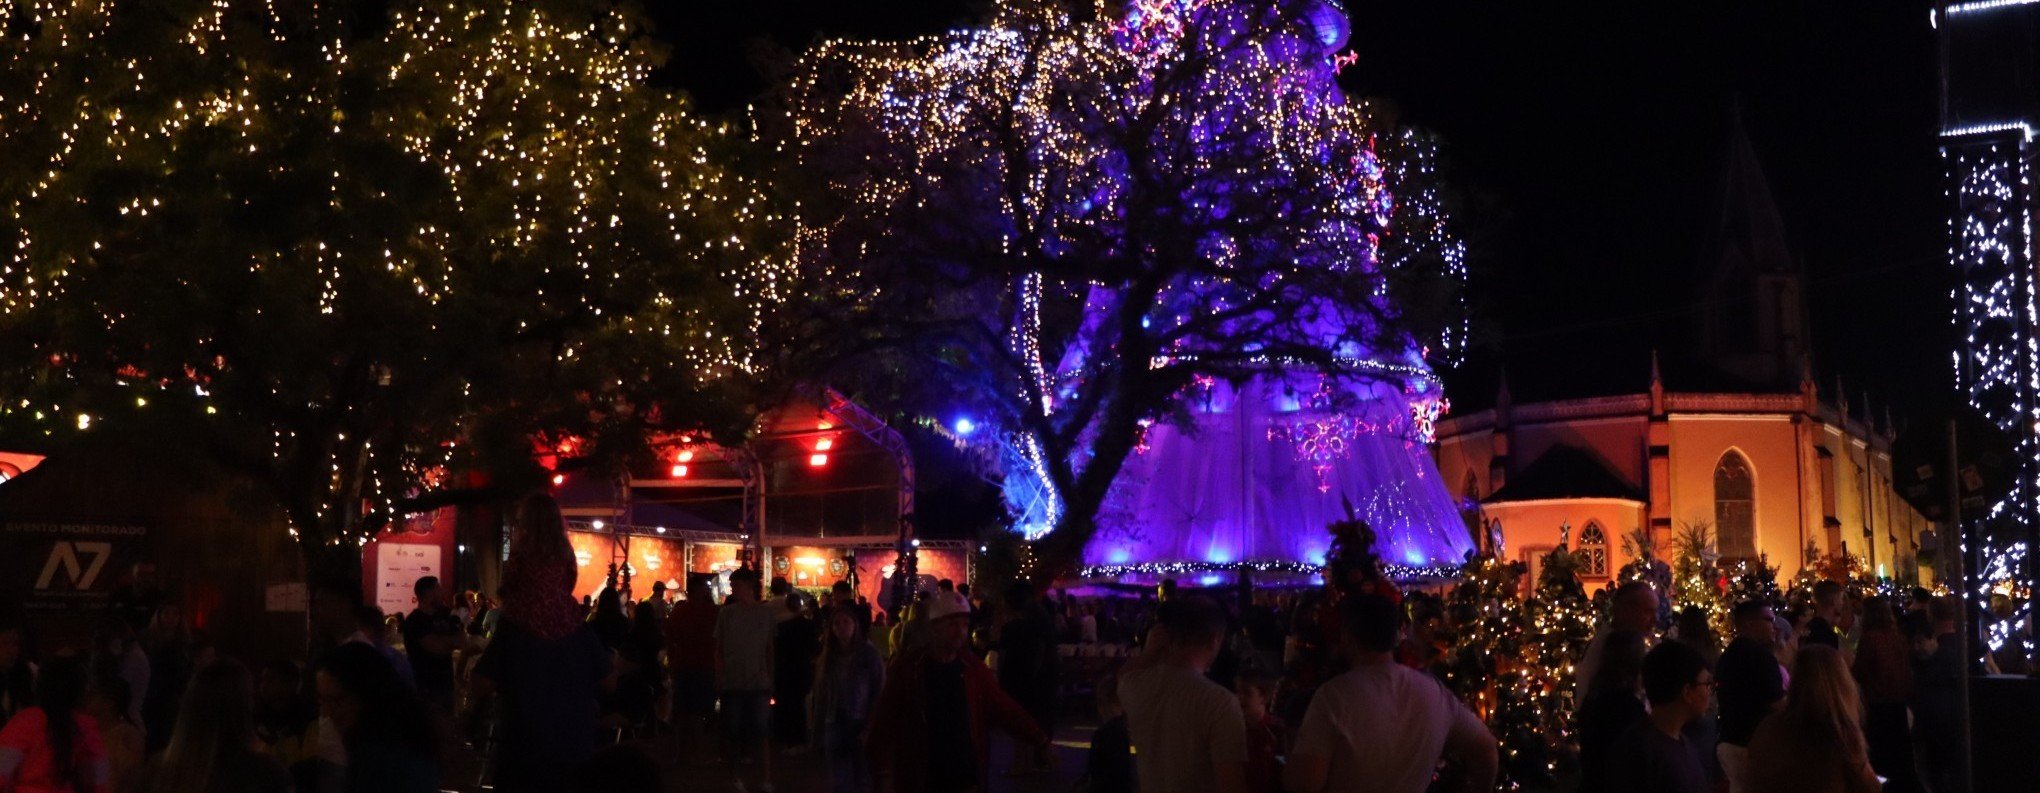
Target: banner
69 564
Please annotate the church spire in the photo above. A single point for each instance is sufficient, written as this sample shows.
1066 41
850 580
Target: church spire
1753 325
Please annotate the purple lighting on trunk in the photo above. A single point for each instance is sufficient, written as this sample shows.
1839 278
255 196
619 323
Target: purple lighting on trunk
1249 485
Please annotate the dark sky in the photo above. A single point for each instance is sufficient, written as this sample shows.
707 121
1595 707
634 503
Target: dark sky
1588 142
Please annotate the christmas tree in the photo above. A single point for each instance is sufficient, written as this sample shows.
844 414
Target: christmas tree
1562 625
1754 579
1488 666
1696 581
1641 546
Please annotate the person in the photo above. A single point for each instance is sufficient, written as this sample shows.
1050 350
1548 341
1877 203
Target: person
1027 648
1822 628
431 636
630 702
51 746
213 748
1937 698
1884 672
106 701
371 629
660 605
1109 765
690 652
1267 736
1752 686
135 601
17 675
1815 743
544 663
388 732
930 732
647 645
1655 754
283 717
1613 705
116 651
794 647
1424 648
1693 629
611 623
847 681
1635 609
1191 733
168 642
744 632
1382 726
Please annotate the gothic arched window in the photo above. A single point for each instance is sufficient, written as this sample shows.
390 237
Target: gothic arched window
1593 552
1735 507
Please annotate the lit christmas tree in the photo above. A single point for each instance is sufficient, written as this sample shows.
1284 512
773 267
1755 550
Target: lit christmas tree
1080 221
1696 580
1562 624
1489 666
335 245
1754 579
1645 566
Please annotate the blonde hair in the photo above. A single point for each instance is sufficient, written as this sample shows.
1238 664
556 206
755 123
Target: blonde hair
1823 707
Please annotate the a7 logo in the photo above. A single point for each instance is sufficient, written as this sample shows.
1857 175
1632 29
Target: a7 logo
65 555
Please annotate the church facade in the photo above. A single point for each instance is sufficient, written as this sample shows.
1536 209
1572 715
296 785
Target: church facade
1745 447
1770 475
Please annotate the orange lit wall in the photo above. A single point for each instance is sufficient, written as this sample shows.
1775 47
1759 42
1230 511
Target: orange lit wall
654 559
810 567
932 564
711 557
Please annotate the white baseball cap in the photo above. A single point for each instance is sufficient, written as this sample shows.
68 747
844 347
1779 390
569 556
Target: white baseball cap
946 604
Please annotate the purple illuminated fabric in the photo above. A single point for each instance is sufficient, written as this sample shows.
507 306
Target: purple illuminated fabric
1257 475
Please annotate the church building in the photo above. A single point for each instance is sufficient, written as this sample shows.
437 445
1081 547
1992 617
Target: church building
1747 448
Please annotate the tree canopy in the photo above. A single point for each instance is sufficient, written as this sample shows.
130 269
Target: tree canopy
1057 223
344 245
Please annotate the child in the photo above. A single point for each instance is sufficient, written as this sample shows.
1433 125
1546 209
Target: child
1110 764
106 701
1265 733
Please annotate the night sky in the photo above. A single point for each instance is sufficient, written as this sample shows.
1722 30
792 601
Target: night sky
1588 145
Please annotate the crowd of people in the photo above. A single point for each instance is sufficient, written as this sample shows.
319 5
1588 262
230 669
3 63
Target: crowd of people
1847 695
563 694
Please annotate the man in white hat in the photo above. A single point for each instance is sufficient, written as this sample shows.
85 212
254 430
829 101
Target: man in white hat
930 731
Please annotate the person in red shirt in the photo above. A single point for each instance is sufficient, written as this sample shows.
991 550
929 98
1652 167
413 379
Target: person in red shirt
690 652
930 732
53 747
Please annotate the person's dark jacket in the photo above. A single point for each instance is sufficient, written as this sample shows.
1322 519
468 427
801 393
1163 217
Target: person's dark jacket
898 746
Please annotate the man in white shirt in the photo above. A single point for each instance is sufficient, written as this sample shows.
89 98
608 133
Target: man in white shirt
1382 727
1188 734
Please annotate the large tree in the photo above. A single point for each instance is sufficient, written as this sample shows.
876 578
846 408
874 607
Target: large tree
347 246
1058 222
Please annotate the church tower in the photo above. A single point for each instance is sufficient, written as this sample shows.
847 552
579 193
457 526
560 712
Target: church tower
1753 321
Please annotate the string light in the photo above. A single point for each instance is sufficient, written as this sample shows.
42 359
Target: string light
1998 365
327 240
1181 184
